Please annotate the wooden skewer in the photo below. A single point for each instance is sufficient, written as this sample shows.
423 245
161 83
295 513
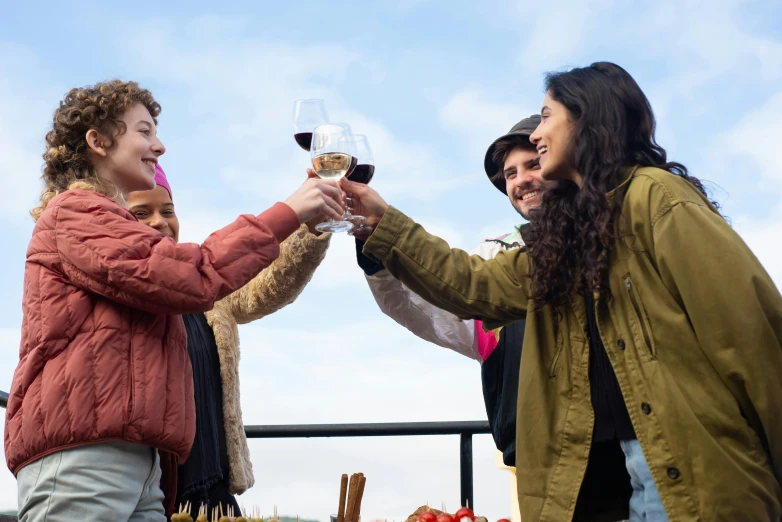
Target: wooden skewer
351 506
343 491
361 482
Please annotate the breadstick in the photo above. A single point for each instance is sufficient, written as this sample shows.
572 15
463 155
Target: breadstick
361 482
352 497
343 491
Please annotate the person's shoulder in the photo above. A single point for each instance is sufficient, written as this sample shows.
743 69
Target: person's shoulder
665 188
82 204
490 247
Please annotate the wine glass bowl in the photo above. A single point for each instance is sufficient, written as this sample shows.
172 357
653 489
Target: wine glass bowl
363 172
307 114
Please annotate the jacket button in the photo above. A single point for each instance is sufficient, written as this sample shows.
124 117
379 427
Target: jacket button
647 410
673 473
621 344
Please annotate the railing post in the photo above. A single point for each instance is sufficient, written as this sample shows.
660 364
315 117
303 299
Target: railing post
465 468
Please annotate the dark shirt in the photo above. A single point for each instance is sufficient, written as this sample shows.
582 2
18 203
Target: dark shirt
612 421
207 464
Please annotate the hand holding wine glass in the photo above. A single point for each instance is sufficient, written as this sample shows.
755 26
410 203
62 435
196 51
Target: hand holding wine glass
367 202
316 197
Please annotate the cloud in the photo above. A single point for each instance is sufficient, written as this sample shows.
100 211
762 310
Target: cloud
757 137
481 121
27 99
762 236
558 30
217 73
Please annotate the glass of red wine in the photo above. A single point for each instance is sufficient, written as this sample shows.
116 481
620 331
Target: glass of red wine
361 173
307 114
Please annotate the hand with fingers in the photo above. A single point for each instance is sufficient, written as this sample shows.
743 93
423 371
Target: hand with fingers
316 198
320 218
365 201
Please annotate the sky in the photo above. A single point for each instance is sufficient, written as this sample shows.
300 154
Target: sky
431 83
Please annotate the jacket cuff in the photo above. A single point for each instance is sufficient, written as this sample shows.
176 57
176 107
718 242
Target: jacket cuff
386 233
368 265
281 220
312 239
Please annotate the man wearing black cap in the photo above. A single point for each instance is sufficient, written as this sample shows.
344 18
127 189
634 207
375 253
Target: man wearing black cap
511 163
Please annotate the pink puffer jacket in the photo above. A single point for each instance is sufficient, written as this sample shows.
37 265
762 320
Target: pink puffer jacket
103 354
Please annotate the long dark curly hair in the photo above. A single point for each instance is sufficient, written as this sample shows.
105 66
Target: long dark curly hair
571 237
100 107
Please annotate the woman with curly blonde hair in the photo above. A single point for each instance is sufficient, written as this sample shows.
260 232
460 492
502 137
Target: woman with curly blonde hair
101 409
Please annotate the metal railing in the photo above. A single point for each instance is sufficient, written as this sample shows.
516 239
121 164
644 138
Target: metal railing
465 430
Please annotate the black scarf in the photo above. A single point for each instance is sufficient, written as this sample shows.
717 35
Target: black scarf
208 460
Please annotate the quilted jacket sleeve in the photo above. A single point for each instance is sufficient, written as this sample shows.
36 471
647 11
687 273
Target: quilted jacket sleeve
283 281
104 250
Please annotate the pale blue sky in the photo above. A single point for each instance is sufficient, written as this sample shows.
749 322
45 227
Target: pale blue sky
431 83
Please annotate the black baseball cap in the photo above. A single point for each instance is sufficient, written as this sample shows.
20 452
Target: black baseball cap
524 128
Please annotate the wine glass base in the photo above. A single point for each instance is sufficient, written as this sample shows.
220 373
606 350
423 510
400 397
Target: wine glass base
358 221
335 226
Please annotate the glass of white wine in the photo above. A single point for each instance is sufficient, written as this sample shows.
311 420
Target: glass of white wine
332 152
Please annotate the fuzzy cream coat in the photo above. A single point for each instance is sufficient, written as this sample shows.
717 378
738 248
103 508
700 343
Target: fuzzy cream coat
276 286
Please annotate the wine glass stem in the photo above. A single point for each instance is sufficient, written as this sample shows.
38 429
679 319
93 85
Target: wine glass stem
346 213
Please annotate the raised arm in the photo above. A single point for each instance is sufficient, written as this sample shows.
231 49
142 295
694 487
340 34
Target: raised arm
494 290
282 282
104 250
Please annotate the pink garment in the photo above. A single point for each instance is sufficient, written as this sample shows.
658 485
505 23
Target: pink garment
486 342
160 180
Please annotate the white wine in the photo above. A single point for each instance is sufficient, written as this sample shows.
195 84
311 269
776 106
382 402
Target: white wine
332 165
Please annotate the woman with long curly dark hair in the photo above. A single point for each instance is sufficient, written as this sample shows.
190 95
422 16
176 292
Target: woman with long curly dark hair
653 333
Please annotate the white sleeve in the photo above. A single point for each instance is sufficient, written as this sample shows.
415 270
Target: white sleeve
423 319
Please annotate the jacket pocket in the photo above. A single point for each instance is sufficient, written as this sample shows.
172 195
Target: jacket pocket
552 371
640 316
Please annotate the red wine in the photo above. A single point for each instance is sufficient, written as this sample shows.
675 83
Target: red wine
304 139
352 167
362 174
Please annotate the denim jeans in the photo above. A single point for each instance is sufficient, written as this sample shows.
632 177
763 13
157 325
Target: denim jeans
106 481
645 502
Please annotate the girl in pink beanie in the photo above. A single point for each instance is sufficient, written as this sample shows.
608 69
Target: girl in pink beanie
219 465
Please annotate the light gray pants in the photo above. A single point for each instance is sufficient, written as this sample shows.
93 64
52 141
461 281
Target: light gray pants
108 481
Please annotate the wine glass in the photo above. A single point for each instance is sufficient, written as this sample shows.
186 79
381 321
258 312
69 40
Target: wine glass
332 151
363 173
307 114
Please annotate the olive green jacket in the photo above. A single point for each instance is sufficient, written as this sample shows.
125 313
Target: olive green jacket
693 331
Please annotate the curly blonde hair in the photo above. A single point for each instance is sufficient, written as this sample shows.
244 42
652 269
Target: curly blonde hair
100 107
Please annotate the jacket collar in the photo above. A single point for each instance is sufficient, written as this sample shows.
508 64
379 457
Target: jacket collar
627 177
